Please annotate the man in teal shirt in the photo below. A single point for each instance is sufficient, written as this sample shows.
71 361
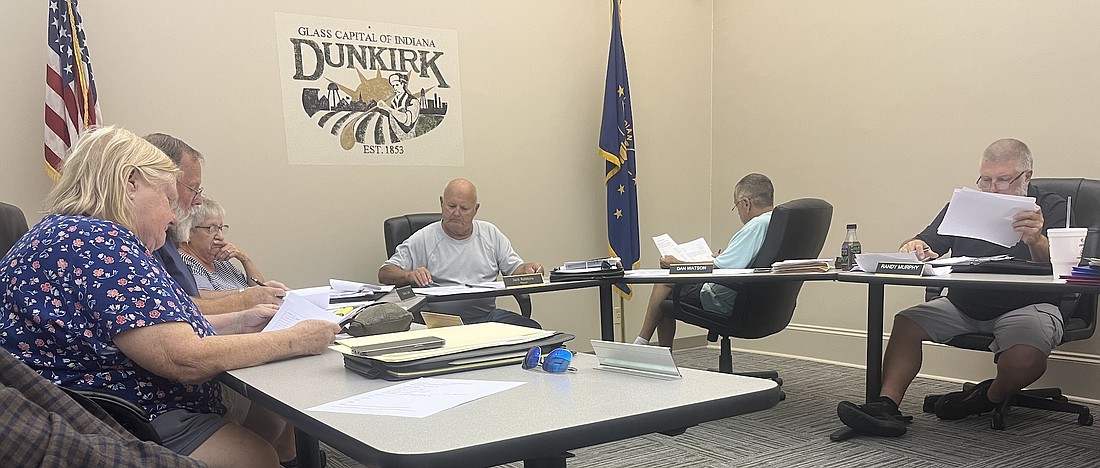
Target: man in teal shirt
752 200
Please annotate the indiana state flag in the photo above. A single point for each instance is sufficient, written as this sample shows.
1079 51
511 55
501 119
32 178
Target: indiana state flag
617 149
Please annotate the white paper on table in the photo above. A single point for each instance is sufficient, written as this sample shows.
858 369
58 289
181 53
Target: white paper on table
352 286
417 398
986 216
732 271
646 272
296 308
317 295
449 290
694 251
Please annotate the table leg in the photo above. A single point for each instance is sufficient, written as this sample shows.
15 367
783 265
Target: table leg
607 313
308 450
875 298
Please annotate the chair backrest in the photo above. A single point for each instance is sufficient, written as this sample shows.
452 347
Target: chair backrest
399 228
797 231
12 226
1085 206
1079 313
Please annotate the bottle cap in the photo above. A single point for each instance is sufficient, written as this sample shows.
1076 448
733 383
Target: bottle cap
852 226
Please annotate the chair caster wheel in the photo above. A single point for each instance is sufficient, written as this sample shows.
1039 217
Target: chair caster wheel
1084 419
997 423
783 396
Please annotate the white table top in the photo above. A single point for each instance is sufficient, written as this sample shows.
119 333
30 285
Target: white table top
549 414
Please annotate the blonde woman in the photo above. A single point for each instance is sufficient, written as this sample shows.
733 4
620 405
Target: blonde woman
86 306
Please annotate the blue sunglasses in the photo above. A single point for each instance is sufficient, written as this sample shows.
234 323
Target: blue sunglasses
556 362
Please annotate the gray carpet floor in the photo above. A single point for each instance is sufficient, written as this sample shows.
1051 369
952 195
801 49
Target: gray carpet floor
795 433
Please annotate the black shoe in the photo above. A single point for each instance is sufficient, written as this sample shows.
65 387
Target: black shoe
878 418
958 405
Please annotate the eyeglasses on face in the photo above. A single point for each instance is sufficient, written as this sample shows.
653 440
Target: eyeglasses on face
1001 184
556 362
198 193
214 228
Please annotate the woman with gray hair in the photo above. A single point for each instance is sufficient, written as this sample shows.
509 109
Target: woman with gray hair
86 305
206 252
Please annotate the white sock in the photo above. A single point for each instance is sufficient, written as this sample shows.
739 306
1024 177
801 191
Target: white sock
641 341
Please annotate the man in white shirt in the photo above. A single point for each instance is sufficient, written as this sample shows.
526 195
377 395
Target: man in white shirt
459 250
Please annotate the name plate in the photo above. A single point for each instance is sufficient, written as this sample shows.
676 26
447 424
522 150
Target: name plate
520 280
901 268
690 268
405 292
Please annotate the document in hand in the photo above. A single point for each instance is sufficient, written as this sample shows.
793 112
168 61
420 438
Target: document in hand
694 251
296 308
466 347
985 216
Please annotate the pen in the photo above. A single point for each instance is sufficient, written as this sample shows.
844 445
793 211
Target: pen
538 270
258 282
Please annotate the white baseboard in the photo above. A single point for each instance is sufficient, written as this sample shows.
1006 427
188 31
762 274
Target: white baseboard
1076 373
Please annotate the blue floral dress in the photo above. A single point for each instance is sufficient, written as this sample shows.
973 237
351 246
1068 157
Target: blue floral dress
74 282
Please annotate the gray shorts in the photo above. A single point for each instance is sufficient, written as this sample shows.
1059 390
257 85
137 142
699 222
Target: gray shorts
1036 325
183 431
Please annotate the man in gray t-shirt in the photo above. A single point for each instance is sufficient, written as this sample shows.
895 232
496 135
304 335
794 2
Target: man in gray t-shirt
459 250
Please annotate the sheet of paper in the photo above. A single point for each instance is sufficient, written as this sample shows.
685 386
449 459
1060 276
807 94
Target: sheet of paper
985 216
352 286
732 271
696 251
317 295
417 398
296 308
449 290
665 244
639 272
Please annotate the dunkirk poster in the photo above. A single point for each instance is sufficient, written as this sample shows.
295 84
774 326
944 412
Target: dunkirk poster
366 93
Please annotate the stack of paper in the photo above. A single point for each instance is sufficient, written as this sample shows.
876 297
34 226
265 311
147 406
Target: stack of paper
985 216
694 251
803 266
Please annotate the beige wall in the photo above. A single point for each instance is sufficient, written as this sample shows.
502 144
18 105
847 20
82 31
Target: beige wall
532 83
882 108
879 107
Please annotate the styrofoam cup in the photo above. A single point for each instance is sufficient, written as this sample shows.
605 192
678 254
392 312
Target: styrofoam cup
1065 248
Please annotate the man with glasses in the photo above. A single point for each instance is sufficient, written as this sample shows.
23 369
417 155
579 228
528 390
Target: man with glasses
1026 325
189 187
752 201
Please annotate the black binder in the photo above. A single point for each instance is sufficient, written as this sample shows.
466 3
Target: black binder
456 362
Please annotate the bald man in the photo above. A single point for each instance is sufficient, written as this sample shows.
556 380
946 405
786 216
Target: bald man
459 250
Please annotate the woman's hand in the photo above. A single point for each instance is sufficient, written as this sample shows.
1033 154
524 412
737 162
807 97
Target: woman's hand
228 251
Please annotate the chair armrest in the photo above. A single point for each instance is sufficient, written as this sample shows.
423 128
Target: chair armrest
932 292
126 413
524 301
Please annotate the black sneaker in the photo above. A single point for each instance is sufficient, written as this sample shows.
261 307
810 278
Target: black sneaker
958 405
878 418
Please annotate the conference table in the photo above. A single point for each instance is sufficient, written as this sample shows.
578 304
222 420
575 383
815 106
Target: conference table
606 288
539 420
876 285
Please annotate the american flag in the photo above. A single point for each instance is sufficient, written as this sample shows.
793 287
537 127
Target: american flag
71 104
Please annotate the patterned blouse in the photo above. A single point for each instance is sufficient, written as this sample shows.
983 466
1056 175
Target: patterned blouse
225 277
74 282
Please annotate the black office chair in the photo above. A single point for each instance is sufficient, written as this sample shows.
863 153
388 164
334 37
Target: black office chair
12 226
797 231
399 228
1078 310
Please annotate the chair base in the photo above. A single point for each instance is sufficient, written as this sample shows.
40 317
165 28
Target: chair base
725 366
1050 399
